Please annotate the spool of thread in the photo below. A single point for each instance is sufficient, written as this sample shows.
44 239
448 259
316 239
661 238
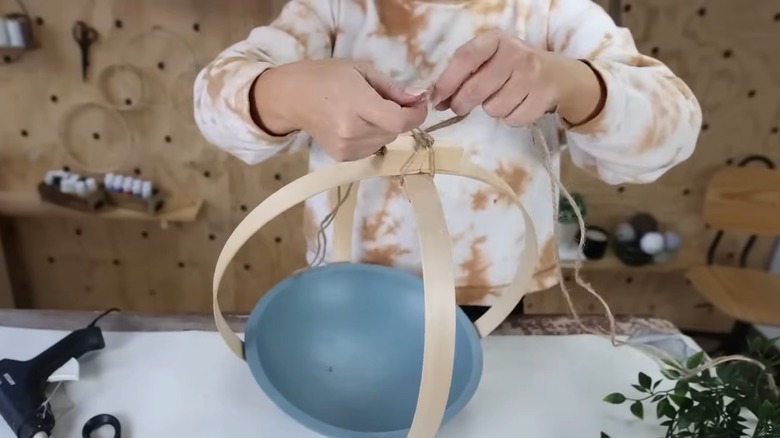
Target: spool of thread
652 243
91 185
127 184
17 27
137 187
625 232
67 186
117 185
672 241
5 40
596 240
108 181
81 188
146 189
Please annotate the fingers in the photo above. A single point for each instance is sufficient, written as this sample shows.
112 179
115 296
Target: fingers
391 117
511 95
490 78
466 60
533 107
388 88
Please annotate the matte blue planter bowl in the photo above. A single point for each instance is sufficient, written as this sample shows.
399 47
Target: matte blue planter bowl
339 349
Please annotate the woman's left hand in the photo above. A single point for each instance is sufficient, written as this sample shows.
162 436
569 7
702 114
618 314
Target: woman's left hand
515 82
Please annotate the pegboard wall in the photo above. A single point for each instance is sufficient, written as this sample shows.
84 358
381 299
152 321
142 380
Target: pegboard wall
134 115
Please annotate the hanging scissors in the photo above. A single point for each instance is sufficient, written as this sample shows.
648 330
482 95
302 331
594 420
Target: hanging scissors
85 36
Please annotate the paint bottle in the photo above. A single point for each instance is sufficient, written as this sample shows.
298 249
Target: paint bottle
146 189
127 184
17 27
91 185
5 40
137 187
81 188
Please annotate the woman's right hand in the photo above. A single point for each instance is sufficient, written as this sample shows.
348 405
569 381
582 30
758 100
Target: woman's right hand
349 108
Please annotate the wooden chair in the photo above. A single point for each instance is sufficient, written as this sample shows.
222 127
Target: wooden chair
745 200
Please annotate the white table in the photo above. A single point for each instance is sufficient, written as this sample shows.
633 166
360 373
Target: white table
187 384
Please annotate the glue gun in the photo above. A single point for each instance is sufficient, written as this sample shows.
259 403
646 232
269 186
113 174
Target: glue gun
23 402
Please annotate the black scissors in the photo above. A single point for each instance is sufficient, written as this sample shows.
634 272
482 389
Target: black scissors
85 36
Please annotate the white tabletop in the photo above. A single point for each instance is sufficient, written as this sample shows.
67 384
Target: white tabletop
187 384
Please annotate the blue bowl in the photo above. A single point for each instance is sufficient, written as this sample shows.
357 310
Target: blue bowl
339 349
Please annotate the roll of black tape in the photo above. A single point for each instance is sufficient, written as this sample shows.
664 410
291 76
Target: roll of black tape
99 421
596 240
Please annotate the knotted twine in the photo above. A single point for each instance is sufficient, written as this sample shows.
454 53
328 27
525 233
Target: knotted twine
423 141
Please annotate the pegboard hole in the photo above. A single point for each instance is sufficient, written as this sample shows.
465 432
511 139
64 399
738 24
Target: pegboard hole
567 278
278 176
207 174
181 264
654 51
705 126
137 171
117 262
7 59
243 207
24 133
212 237
247 267
775 130
54 98
629 280
118 24
707 226
729 162
751 94
777 17
88 289
168 139
196 27
727 54
50 260
78 231
730 256
702 12
278 239
129 102
39 21
144 234
621 189
161 65
96 135
591 307
66 168
627 8
686 192
152 292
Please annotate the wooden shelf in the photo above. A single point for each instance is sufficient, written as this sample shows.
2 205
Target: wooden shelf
610 262
21 204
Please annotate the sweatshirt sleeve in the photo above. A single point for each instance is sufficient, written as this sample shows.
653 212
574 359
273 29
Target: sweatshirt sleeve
650 121
303 30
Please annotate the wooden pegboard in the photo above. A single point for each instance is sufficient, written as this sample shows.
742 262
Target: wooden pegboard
722 49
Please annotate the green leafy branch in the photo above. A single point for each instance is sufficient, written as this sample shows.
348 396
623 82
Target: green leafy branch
703 404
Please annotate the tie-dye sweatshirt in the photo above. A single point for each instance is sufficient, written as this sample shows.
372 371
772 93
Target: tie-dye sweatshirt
649 123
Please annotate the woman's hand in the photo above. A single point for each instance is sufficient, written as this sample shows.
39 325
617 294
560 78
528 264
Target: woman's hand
349 108
515 82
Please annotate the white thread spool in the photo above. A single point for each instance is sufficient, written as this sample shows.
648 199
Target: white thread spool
15 27
91 185
127 184
81 188
67 186
117 186
108 181
137 187
5 40
146 189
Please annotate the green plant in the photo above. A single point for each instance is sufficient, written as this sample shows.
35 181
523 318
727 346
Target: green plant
700 403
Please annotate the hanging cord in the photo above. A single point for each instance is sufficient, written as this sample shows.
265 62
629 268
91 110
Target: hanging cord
653 352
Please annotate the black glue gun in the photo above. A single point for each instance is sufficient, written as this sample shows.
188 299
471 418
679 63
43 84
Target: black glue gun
23 402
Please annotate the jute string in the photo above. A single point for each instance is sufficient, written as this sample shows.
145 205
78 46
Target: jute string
424 142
